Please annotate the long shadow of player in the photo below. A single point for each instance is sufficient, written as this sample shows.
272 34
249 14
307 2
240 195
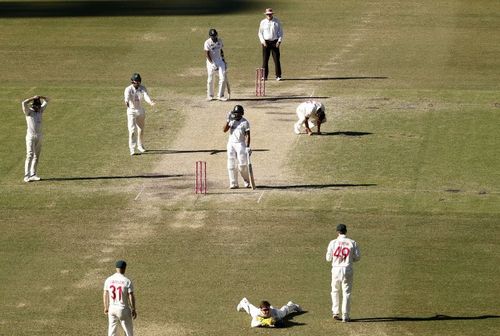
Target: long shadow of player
315 186
85 178
287 321
345 133
423 319
188 151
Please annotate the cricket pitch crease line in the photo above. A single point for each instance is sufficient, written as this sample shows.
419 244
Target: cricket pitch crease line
140 192
258 201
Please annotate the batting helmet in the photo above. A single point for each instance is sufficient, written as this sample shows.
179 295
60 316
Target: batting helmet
212 32
238 109
136 78
36 102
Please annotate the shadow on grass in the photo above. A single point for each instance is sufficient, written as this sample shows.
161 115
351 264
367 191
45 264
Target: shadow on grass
333 78
421 319
316 186
84 178
78 8
287 322
345 133
188 151
277 98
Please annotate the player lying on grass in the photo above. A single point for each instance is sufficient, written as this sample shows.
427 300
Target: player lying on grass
266 315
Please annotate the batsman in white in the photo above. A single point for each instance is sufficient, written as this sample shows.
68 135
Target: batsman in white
33 116
238 146
215 63
119 301
310 113
342 253
134 94
266 315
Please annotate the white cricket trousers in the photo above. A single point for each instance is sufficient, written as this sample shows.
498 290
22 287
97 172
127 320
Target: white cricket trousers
135 123
33 150
122 316
222 78
237 156
342 278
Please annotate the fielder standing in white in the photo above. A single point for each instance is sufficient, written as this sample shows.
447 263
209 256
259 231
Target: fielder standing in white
215 63
266 315
33 116
134 94
119 301
238 146
310 113
342 253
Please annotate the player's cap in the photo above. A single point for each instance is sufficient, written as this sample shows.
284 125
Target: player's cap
341 228
121 264
212 32
37 102
269 11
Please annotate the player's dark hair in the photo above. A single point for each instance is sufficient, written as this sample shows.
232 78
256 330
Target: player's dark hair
264 304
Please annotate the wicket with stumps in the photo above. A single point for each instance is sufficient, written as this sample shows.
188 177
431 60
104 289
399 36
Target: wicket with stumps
201 177
260 83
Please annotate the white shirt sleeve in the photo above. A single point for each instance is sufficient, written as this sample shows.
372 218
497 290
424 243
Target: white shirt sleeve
146 96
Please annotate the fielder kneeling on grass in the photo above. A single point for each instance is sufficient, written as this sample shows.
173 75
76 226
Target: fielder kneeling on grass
238 145
266 315
310 113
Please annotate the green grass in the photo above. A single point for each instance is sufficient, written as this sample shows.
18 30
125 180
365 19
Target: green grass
410 161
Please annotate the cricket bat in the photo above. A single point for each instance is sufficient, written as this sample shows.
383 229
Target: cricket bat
228 88
250 172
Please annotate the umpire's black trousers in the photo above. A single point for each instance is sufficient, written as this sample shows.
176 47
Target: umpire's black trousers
269 49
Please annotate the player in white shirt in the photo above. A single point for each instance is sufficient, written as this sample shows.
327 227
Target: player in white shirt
119 301
342 253
310 113
134 94
266 315
238 146
270 36
33 109
215 63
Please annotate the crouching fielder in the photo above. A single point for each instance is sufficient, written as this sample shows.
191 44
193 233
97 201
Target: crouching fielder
310 113
238 146
266 315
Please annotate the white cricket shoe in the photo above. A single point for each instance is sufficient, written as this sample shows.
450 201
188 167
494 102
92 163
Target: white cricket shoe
233 187
132 152
141 149
222 98
210 98
26 179
242 304
247 184
296 129
278 78
34 178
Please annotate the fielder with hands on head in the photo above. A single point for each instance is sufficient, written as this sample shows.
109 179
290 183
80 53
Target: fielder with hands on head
134 94
310 113
33 109
238 146
342 253
215 63
119 301
266 315
270 36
